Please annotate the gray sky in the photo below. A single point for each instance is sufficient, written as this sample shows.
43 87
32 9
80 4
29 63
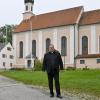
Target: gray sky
11 10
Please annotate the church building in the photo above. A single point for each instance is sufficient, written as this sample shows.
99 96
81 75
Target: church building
74 32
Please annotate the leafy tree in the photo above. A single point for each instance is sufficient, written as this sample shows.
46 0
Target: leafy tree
6 33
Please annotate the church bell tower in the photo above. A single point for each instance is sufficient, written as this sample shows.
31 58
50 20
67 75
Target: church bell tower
28 9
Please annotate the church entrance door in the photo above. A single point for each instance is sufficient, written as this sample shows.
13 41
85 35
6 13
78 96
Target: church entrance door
29 63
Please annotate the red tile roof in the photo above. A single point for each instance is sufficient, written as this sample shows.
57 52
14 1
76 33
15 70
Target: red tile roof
88 56
58 18
90 17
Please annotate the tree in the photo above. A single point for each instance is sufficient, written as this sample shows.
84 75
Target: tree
6 33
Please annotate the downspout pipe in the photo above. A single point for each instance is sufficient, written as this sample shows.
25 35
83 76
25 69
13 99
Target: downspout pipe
74 45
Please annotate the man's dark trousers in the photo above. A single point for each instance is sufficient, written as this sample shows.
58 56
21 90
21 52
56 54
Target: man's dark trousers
54 75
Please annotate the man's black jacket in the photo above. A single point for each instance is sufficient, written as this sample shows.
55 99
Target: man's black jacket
52 61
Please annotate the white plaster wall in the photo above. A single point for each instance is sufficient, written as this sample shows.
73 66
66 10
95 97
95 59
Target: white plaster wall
40 45
71 44
76 40
85 31
20 62
64 31
40 36
14 45
55 38
97 27
89 62
7 60
26 43
47 33
93 39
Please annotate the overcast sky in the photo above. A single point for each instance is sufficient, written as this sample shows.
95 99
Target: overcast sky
11 10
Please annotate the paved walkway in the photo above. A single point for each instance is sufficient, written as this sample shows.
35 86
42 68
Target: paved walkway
12 90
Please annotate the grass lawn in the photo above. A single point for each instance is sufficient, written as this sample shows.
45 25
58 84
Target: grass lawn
79 81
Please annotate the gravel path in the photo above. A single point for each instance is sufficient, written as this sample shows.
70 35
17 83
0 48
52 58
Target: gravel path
12 90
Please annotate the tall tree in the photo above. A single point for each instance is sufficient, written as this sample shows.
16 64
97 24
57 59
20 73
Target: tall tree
6 33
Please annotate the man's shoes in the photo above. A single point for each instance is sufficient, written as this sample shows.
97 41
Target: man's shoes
51 95
59 96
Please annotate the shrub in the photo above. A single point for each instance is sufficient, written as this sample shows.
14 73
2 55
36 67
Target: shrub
71 68
17 69
38 65
86 68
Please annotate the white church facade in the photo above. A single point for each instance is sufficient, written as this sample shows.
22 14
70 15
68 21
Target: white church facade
74 33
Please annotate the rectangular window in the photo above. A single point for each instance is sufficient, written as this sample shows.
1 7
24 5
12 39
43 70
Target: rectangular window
4 56
98 60
4 64
11 64
8 48
82 61
11 56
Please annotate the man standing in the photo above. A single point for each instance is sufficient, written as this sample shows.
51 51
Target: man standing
52 62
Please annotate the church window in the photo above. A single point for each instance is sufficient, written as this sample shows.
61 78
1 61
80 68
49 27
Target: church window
63 46
99 44
84 45
4 64
8 48
82 61
31 8
48 42
21 49
11 64
4 55
26 8
98 60
11 56
34 47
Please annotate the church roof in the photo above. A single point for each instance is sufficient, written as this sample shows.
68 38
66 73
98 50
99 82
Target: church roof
52 19
90 17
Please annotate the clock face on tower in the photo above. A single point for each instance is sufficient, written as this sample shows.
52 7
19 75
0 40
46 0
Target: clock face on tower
31 1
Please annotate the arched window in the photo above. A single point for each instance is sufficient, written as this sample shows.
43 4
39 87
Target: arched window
63 46
26 8
48 42
99 44
34 47
31 8
21 49
84 45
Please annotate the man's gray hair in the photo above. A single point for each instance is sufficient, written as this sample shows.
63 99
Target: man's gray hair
51 45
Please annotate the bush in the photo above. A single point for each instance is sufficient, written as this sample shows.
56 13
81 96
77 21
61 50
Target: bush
38 65
71 68
19 69
86 68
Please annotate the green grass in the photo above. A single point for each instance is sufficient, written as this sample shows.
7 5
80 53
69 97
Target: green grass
79 81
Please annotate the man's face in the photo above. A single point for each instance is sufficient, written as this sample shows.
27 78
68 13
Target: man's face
51 48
